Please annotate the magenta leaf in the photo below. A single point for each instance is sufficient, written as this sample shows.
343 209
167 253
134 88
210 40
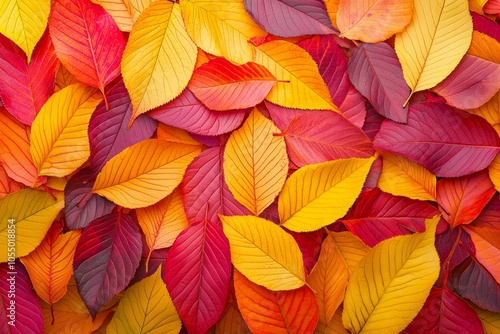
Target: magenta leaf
375 71
188 113
290 18
282 116
486 26
106 258
204 191
376 216
447 141
20 311
197 274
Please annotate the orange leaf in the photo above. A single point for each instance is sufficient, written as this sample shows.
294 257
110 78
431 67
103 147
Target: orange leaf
175 135
50 265
485 47
487 243
293 311
7 185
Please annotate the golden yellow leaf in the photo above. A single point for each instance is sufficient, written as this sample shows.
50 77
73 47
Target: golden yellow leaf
484 46
490 320
50 265
221 28
163 221
24 21
332 7
264 252
30 212
391 284
175 135
255 163
317 195
144 173
335 325
351 248
159 57
402 177
124 12
494 172
433 44
59 138
373 21
146 307
328 279
301 86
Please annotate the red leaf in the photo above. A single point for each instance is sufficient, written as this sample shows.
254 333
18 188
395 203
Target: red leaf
447 141
376 216
221 85
26 312
309 244
490 216
108 132
354 107
290 18
486 26
106 258
319 136
25 88
188 113
205 193
282 116
462 199
471 84
492 7
197 274
375 71
445 312
87 41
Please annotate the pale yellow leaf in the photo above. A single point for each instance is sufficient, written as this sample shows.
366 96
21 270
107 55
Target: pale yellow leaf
59 138
24 21
391 283
317 195
255 163
26 215
433 44
300 84
124 12
221 28
144 173
264 252
159 57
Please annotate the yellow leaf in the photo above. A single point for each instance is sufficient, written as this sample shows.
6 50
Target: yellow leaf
175 135
144 173
301 86
484 46
494 172
335 325
490 320
159 57
24 21
50 265
351 248
317 195
391 284
255 163
490 111
163 221
402 177
264 252
328 279
32 212
146 307
124 12
433 44
221 28
332 7
59 138
373 21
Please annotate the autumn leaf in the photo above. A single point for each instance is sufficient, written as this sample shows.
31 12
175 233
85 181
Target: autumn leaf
124 12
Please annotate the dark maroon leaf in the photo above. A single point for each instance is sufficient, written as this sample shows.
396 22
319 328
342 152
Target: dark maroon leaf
376 216
197 274
447 141
290 18
373 122
106 258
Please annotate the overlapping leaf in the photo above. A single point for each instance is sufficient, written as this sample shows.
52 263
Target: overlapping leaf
7 185
124 12
487 244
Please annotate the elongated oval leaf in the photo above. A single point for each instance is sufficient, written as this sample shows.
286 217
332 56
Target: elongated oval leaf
264 252
317 195
197 274
459 144
106 257
157 49
255 163
144 173
392 283
146 307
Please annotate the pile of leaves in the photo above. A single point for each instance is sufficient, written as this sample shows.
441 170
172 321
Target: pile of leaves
265 166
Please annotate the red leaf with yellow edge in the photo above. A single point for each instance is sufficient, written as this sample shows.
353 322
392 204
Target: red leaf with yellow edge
221 85
487 243
24 87
50 265
107 256
462 199
197 274
273 312
87 41
7 185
